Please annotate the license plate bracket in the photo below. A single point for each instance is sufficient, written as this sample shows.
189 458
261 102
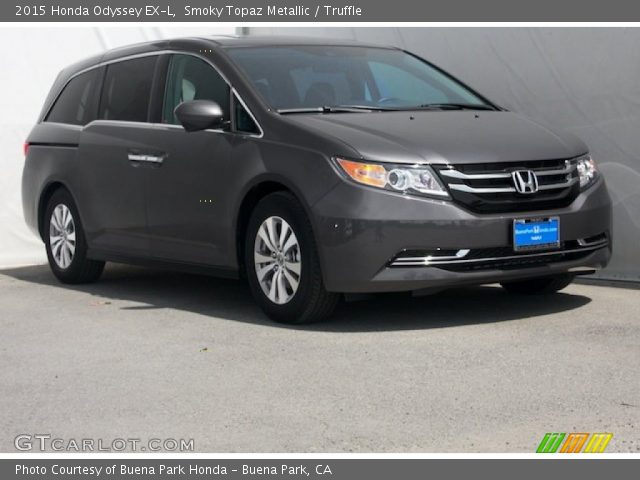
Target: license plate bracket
542 233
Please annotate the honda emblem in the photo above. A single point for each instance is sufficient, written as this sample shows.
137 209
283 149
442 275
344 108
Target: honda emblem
525 181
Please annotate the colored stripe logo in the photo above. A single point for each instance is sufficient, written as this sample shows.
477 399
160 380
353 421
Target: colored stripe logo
550 442
574 442
598 442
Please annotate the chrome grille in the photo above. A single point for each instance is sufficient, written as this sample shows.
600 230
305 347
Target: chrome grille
490 187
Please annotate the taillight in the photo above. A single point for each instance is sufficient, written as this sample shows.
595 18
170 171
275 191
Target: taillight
25 148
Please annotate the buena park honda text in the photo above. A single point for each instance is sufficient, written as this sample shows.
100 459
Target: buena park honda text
313 168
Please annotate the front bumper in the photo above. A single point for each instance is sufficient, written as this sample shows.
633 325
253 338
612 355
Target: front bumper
362 232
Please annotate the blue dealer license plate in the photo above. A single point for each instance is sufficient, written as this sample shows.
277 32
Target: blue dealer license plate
536 233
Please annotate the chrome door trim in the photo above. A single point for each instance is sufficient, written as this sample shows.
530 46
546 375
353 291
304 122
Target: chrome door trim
159 53
141 157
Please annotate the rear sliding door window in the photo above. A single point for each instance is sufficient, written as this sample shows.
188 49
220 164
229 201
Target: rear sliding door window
191 78
127 90
75 103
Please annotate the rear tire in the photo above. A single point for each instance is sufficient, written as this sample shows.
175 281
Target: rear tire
282 264
66 243
539 286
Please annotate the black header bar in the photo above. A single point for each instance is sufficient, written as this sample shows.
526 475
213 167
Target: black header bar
351 11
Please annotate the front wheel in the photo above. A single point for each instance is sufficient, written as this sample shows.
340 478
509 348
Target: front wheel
282 263
539 286
65 242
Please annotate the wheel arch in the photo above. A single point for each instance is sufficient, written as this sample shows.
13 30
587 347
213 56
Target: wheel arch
46 194
256 192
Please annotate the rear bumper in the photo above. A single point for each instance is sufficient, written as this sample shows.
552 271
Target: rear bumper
30 195
361 232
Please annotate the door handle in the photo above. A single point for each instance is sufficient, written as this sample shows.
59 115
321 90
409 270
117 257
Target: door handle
146 158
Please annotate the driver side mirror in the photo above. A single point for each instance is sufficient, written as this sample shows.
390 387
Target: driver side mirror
198 115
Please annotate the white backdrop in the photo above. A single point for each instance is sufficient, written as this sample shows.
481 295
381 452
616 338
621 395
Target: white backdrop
31 57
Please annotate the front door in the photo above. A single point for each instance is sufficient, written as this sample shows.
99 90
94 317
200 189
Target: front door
185 201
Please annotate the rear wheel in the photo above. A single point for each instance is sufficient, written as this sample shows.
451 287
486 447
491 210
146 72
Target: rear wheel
65 241
282 263
539 286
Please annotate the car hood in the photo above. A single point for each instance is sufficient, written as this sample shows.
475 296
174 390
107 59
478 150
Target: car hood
459 136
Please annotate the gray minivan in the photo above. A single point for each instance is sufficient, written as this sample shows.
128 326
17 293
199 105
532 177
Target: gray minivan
312 168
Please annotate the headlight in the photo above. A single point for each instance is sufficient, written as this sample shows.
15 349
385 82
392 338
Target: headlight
409 179
587 171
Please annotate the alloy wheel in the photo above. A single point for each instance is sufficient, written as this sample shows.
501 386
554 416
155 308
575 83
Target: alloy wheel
62 236
277 260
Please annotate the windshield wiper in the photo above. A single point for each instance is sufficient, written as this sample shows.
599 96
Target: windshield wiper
335 109
373 108
452 106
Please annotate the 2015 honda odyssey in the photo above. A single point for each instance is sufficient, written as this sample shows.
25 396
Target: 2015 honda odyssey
313 168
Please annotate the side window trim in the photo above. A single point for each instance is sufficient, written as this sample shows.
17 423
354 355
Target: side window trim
235 97
164 53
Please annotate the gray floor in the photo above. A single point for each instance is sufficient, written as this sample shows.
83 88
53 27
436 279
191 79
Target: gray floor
145 354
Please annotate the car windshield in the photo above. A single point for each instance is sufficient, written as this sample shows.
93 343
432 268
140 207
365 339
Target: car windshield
295 79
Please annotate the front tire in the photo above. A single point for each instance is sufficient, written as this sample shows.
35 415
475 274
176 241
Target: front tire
539 286
282 264
66 243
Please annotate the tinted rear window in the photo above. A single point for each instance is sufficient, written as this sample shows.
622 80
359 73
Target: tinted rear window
75 103
127 90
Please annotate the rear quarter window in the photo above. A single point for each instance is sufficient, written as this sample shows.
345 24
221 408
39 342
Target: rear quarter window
74 104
